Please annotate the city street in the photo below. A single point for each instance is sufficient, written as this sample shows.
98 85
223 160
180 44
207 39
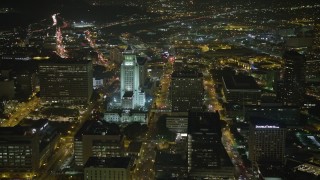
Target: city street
21 111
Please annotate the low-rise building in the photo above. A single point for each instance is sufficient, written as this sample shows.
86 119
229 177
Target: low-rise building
114 168
177 124
125 116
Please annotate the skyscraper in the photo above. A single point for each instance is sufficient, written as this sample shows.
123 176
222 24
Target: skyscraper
96 139
187 91
266 142
207 158
68 81
132 96
316 41
293 78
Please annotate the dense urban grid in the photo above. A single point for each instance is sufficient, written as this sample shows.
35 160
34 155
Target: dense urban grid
159 89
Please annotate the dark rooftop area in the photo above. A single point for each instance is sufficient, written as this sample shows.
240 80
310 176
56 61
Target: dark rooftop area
166 159
128 94
97 128
113 162
17 131
134 147
204 121
24 127
186 74
141 60
240 82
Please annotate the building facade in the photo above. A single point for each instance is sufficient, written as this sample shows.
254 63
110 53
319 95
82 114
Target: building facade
316 41
96 139
68 81
289 115
207 158
125 116
266 142
24 149
170 166
186 91
115 168
239 89
294 79
178 124
130 89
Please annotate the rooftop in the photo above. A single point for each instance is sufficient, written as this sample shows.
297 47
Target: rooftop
26 127
134 147
187 74
97 128
141 60
208 122
128 94
166 159
237 82
113 162
65 61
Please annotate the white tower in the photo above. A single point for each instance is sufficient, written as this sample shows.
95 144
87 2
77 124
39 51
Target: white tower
131 95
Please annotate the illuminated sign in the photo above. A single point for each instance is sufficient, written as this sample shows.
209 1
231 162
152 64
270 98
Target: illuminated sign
184 134
267 127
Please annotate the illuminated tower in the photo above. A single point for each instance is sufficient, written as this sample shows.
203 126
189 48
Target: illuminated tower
293 78
132 97
266 141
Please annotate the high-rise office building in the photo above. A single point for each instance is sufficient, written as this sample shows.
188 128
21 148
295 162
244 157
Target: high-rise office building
68 81
293 79
96 139
25 148
170 166
288 115
186 91
132 95
207 157
316 41
313 68
25 83
266 141
240 89
7 89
